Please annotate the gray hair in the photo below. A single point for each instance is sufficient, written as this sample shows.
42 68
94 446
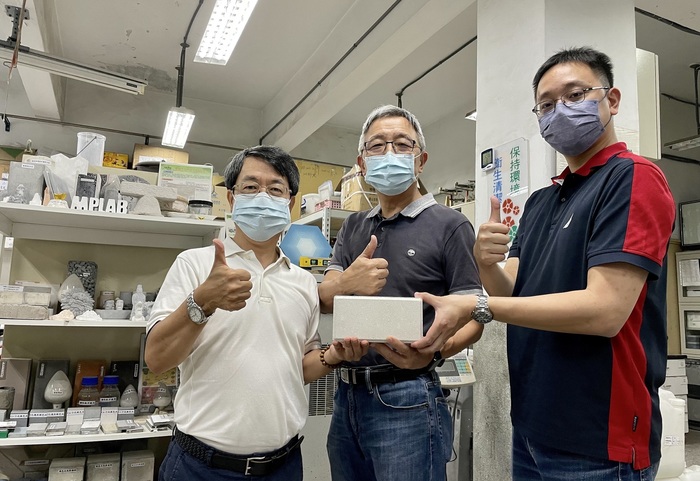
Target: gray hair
280 160
391 111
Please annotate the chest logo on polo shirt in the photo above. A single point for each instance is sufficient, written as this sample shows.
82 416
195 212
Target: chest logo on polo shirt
410 252
569 221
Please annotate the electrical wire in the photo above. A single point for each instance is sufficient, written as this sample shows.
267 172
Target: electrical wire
399 94
181 69
332 69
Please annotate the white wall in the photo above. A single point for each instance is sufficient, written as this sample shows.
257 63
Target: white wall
451 147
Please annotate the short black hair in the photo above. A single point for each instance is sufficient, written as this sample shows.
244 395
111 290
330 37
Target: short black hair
280 160
597 61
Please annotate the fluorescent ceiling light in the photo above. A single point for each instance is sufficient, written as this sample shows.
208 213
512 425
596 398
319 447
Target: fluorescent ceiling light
225 27
69 68
177 127
471 115
685 144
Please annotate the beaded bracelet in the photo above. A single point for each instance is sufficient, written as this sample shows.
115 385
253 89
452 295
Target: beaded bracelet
323 360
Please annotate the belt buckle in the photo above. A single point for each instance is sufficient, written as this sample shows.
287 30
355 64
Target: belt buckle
345 375
248 466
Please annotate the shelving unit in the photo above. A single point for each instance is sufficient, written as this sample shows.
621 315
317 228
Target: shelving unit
81 438
688 272
328 220
110 339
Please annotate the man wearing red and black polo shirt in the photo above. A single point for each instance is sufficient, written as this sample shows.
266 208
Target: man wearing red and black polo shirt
583 290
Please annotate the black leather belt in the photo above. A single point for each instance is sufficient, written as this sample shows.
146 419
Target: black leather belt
374 375
260 465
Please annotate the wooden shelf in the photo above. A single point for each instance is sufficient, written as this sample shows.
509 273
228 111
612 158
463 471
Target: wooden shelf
39 222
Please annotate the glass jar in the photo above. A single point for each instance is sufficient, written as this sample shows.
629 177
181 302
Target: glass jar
200 209
88 394
109 395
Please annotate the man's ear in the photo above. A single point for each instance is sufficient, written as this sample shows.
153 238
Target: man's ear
614 96
362 165
229 197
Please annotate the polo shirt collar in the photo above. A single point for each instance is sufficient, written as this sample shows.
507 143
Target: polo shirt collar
595 162
411 210
231 248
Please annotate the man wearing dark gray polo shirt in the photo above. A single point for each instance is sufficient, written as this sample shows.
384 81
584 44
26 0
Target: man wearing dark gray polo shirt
391 421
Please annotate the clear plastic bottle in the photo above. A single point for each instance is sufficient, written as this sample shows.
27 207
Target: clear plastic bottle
109 395
88 394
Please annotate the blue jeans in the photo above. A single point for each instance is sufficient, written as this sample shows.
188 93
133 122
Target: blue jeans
390 432
534 462
180 466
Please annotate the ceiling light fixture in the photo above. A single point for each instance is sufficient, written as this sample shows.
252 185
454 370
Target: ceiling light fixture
180 119
226 24
71 69
694 141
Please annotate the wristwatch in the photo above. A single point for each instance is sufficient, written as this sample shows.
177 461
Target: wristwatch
195 312
481 313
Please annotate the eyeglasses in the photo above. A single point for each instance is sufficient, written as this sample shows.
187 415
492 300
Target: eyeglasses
570 98
399 146
251 187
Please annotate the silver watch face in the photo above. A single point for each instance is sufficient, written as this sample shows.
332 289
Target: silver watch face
482 316
195 314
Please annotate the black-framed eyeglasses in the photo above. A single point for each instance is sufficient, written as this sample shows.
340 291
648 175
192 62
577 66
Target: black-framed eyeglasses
399 146
252 187
570 98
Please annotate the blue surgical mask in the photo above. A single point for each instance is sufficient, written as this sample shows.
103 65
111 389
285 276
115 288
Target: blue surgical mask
261 216
572 130
390 173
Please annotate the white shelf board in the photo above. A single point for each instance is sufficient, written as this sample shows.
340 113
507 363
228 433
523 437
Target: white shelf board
40 222
74 323
81 438
335 217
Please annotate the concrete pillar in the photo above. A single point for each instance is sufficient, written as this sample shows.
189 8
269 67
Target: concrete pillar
514 39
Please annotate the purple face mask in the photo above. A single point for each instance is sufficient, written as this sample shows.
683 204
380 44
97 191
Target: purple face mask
572 130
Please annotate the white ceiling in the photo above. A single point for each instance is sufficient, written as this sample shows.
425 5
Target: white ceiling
288 46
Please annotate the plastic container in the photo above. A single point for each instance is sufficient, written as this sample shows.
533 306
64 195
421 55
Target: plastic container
88 394
91 147
110 395
672 462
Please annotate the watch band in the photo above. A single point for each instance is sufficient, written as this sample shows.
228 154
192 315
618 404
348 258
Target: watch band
195 311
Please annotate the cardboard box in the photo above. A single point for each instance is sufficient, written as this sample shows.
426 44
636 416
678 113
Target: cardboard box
218 197
115 159
358 201
148 153
355 193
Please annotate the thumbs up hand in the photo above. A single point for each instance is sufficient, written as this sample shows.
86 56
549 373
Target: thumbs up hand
225 288
367 275
492 239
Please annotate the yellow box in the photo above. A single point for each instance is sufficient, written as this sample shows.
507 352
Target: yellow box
115 159
148 153
218 198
